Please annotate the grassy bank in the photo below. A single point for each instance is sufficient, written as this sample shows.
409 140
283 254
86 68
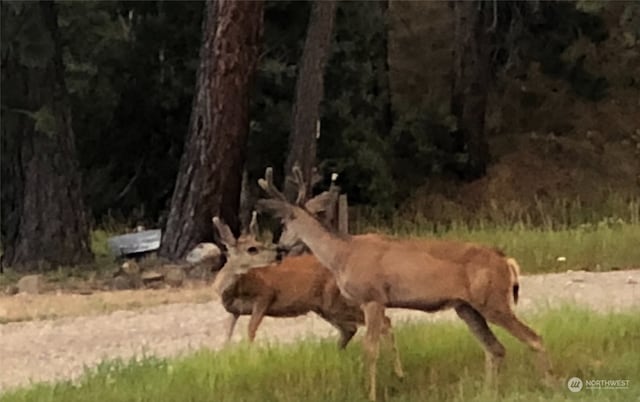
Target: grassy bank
443 363
597 239
598 247
593 240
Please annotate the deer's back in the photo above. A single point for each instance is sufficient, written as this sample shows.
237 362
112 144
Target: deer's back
426 274
466 255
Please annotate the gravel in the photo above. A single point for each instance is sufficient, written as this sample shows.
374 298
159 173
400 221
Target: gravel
53 350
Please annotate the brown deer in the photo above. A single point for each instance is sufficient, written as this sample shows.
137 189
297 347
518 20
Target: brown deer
292 287
376 272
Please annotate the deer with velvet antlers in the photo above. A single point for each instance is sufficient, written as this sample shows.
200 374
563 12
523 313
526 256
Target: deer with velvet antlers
375 272
252 283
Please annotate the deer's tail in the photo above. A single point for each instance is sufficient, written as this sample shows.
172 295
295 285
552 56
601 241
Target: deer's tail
514 273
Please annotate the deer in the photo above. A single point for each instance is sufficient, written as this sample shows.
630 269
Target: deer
252 283
377 272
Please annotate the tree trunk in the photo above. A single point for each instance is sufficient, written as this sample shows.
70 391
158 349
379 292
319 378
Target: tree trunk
470 83
309 93
44 222
210 175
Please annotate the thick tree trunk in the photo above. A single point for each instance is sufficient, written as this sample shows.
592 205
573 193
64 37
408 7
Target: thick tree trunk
470 83
210 175
44 223
309 92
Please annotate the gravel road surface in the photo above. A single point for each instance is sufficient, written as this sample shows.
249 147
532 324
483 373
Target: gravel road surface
49 350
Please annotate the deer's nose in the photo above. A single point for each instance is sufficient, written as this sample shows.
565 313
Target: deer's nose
281 252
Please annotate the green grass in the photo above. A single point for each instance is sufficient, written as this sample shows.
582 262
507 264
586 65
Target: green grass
442 363
598 247
590 238
595 239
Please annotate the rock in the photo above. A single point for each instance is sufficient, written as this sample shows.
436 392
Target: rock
130 267
30 284
121 282
195 272
84 291
150 277
156 285
12 290
206 254
174 277
631 281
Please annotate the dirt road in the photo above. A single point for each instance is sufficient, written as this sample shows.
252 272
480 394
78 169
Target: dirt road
57 349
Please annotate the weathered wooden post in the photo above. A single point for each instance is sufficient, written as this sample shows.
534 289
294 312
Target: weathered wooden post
343 214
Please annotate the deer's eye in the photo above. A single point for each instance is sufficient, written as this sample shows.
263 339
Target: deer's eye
252 250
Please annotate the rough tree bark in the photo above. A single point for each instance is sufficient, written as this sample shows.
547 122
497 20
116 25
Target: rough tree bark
309 92
44 222
209 179
471 66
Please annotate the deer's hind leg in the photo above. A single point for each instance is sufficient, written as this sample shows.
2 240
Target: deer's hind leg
494 351
508 320
258 312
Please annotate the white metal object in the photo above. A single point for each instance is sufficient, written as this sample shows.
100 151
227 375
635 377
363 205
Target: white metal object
131 243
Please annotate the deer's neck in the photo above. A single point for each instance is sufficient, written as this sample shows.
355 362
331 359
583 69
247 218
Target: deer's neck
328 248
225 279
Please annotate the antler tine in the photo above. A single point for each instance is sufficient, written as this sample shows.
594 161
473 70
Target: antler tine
267 185
253 226
299 180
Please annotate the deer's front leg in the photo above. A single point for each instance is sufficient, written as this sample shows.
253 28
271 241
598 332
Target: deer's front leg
374 321
231 324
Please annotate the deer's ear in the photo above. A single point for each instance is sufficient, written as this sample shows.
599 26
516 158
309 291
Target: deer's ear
226 236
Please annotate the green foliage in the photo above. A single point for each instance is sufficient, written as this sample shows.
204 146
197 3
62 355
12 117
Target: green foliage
131 73
546 32
271 104
356 120
131 66
24 35
45 121
443 362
